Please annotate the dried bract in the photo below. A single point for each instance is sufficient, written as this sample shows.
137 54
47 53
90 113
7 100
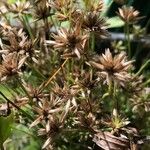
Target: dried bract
107 141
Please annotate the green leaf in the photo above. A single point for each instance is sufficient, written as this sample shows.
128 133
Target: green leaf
5 128
11 1
114 22
5 91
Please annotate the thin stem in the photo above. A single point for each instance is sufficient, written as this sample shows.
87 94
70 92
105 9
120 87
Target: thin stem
26 24
23 88
1 147
147 26
46 24
72 64
127 32
18 108
116 105
2 14
110 88
54 22
37 71
143 67
51 77
112 94
146 82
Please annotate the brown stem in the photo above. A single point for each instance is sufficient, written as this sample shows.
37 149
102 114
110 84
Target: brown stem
51 77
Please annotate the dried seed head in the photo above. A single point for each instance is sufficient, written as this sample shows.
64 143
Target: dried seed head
128 14
72 42
52 114
60 4
86 81
35 92
141 103
94 6
50 131
66 92
64 9
134 87
113 68
11 65
42 10
87 121
19 7
93 23
17 41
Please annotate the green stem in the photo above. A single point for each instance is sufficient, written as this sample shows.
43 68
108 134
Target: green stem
26 24
127 32
18 108
110 88
54 22
116 105
72 65
147 26
23 88
142 68
112 94
28 27
146 82
37 71
7 20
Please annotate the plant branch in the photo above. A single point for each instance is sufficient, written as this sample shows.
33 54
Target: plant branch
51 77
127 32
143 67
15 106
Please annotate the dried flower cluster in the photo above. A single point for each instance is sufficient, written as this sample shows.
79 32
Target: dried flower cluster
71 41
113 69
129 14
58 88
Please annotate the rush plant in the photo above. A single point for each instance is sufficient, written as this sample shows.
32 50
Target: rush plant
57 91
